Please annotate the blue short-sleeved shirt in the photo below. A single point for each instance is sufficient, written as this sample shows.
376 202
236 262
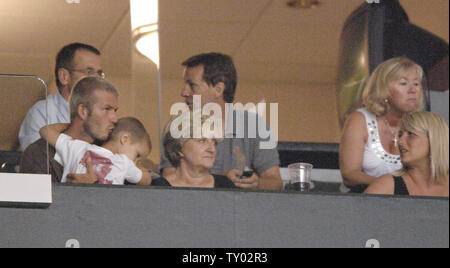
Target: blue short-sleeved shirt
36 118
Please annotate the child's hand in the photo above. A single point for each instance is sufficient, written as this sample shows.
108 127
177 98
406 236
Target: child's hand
146 179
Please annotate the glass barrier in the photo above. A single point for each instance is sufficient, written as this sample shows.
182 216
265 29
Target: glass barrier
18 93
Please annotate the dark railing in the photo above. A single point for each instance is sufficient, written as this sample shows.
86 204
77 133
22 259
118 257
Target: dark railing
130 216
321 155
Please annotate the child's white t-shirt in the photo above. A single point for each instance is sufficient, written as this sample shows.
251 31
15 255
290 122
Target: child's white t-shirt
110 168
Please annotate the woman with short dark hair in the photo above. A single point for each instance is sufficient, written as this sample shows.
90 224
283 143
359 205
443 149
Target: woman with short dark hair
192 158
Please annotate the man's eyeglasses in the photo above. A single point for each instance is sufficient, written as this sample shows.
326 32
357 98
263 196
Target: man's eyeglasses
89 72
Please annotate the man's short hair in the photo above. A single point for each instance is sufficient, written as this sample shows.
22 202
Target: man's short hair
64 58
217 68
134 127
83 93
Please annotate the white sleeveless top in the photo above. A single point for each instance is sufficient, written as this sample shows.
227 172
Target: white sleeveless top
376 161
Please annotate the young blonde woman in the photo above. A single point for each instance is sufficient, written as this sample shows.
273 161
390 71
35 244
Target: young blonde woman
369 144
423 144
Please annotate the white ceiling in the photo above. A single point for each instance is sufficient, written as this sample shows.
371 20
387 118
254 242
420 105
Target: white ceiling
268 41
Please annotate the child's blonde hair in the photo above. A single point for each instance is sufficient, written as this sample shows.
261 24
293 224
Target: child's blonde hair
134 127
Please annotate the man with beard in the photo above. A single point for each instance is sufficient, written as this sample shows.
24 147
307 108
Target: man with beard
93 107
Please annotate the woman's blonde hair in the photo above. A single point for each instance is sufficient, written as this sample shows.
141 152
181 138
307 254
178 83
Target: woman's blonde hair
376 91
437 132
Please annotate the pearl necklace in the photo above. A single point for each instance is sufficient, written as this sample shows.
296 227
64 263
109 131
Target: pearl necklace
394 133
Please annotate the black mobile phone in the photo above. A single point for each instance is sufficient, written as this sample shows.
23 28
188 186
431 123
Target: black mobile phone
247 173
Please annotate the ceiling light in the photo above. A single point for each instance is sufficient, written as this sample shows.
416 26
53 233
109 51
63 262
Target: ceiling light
303 4
144 26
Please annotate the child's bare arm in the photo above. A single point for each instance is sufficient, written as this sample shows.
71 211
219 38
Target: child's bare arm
146 178
53 132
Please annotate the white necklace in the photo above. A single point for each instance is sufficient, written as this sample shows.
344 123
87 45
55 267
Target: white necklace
394 133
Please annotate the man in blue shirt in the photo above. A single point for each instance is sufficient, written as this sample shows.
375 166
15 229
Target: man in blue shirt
73 62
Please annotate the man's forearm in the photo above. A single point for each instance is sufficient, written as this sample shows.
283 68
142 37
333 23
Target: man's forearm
270 184
168 171
271 179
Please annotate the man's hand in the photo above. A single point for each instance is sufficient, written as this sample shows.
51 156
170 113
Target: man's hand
235 175
87 178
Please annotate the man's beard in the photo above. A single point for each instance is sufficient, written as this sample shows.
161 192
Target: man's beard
92 131
101 142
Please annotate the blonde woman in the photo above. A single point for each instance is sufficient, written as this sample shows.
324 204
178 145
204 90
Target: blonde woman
368 147
423 144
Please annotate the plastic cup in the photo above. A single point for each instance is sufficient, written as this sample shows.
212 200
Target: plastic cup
300 176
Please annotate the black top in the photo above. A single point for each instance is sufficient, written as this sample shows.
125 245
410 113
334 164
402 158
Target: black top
400 186
358 189
219 182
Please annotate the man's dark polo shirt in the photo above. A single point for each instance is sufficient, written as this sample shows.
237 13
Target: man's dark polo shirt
34 160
